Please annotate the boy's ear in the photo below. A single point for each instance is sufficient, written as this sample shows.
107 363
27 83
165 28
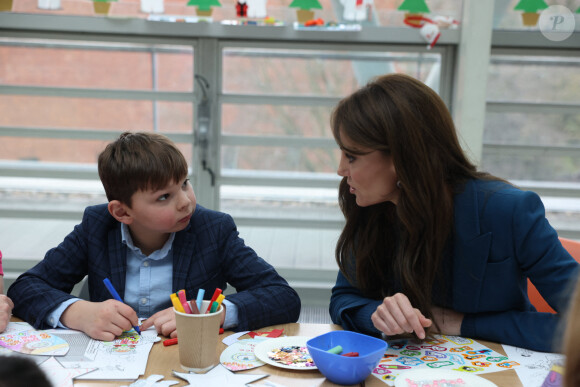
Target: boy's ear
119 211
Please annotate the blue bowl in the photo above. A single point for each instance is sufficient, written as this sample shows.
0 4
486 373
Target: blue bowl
342 369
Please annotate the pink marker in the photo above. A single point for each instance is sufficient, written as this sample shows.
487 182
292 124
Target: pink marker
183 300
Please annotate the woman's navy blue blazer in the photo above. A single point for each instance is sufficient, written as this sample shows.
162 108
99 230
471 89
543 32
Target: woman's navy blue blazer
501 239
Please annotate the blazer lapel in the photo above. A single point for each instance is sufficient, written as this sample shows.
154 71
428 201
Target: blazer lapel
471 251
183 246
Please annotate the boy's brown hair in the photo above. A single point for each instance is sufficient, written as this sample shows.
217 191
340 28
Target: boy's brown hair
137 162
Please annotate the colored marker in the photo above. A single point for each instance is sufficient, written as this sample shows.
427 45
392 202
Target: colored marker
116 296
183 301
217 292
214 307
176 304
199 299
336 350
350 354
193 306
219 300
169 342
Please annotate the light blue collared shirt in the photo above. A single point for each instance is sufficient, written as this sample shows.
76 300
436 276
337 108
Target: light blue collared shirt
147 288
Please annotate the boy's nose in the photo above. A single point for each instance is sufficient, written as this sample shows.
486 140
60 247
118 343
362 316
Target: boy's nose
184 201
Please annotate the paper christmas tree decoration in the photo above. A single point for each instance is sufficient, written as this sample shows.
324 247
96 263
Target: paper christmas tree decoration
414 9
102 7
304 13
204 6
530 7
5 5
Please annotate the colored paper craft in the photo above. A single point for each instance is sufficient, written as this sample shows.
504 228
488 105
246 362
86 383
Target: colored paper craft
442 352
218 376
271 334
33 342
240 355
60 376
153 381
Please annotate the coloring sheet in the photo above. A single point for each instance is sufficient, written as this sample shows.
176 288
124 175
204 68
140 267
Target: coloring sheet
121 359
443 352
534 366
23 338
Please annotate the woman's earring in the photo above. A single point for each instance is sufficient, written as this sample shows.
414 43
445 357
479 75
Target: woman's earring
399 185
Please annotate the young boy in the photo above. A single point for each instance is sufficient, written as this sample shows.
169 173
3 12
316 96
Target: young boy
150 240
5 302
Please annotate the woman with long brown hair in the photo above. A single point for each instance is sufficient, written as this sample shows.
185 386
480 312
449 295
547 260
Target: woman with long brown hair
430 243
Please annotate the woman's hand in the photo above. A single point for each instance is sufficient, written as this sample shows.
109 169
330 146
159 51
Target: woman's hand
396 316
448 321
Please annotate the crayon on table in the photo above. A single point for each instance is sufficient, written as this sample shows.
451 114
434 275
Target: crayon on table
169 342
116 296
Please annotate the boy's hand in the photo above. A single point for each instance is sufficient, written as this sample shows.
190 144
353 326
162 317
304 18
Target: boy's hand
164 322
100 320
6 306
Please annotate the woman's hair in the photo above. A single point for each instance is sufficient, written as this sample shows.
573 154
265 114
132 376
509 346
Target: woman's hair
137 162
571 339
400 246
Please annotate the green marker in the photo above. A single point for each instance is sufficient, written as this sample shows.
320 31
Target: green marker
336 350
214 307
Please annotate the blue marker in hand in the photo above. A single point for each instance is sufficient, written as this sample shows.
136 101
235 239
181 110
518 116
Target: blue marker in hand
116 296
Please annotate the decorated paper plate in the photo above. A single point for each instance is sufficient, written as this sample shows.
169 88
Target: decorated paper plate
286 352
240 355
422 377
34 342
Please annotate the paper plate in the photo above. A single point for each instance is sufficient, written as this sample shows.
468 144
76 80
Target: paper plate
268 346
240 355
424 377
33 342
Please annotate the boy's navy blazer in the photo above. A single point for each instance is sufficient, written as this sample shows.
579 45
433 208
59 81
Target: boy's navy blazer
501 238
207 254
